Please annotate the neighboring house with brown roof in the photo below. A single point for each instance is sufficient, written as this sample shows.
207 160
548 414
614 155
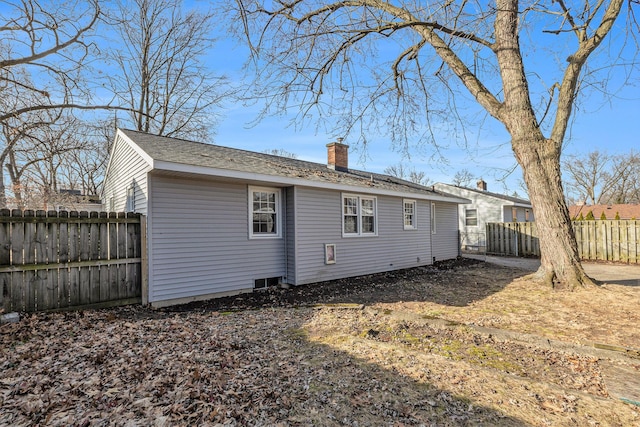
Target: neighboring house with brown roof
485 207
222 221
610 211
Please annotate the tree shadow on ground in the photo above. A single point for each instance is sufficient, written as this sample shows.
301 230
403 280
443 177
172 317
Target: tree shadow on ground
630 282
456 283
348 390
252 368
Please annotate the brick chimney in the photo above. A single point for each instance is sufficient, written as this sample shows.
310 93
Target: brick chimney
482 186
338 156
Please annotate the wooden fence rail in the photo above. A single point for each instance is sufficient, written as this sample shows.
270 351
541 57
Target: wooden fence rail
55 260
599 240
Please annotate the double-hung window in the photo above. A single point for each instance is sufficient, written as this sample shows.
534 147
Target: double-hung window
264 212
409 208
471 217
359 216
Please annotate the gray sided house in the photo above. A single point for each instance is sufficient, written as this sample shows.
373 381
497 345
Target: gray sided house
485 207
222 221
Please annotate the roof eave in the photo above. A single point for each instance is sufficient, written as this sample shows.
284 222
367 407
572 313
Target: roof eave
160 165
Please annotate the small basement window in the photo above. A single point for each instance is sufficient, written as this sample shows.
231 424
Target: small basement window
266 282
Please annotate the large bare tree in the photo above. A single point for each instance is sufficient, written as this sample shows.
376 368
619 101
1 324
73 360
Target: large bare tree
410 65
599 178
163 77
47 49
44 48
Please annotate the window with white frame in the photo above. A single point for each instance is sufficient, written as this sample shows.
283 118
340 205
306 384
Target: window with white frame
409 208
471 217
131 199
264 212
359 215
433 218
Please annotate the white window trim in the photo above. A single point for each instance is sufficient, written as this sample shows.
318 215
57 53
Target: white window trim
413 226
278 233
360 197
433 218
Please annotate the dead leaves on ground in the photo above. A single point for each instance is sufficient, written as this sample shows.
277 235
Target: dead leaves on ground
290 366
270 367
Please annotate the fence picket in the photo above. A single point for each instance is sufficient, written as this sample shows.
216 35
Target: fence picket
16 300
105 291
52 235
29 292
122 251
63 257
5 258
114 281
74 255
94 254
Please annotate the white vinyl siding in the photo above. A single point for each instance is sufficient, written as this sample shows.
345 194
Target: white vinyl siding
289 209
318 224
200 242
445 242
127 170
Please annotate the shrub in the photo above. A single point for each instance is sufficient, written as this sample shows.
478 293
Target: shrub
603 216
617 216
590 216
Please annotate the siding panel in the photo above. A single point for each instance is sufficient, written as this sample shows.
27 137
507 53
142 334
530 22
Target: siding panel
445 240
200 240
318 216
290 234
126 168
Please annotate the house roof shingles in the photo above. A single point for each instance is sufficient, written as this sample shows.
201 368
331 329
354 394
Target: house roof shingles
512 199
180 151
625 211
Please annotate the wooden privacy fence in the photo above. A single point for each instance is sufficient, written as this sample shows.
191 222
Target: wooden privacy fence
512 238
56 260
598 240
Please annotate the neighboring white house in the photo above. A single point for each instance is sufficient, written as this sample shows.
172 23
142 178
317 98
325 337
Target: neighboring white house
485 207
221 221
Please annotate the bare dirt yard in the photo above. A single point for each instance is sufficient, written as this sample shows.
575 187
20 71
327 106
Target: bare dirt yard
458 344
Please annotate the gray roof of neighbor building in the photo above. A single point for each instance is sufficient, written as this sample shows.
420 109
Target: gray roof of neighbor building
180 151
489 193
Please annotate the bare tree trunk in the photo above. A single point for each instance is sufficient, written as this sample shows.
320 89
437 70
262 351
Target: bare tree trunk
560 261
3 191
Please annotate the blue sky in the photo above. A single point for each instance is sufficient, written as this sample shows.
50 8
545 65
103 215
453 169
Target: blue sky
612 126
